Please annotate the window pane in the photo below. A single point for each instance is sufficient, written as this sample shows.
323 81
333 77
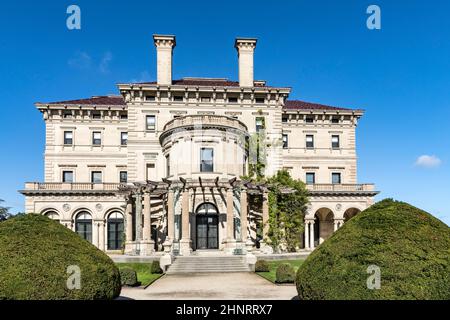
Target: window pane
335 141
336 178
151 122
310 178
123 177
96 138
309 141
206 160
124 138
96 177
68 176
68 137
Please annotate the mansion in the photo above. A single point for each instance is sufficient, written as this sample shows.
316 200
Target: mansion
158 168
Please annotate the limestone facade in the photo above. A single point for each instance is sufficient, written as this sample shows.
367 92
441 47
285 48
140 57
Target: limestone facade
159 166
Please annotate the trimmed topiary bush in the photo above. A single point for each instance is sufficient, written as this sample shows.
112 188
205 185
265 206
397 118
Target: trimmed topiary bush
410 246
128 277
155 267
285 273
262 266
37 256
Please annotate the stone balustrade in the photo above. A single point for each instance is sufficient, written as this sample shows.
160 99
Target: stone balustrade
81 186
340 187
193 120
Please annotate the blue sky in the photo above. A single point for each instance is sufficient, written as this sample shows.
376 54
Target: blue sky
400 74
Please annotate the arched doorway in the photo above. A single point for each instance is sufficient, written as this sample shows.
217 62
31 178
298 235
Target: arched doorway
207 226
350 213
323 225
115 230
83 225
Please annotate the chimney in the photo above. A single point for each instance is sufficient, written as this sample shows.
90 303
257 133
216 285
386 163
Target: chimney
245 48
164 48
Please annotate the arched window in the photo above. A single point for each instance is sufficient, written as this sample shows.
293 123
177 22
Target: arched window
115 230
83 225
52 215
207 208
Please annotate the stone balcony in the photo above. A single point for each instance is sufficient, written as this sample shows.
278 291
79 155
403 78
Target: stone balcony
205 121
322 188
61 187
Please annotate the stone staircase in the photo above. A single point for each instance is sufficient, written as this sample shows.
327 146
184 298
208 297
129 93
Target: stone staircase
208 264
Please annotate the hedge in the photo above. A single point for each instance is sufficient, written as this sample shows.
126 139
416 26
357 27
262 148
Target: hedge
128 277
262 266
285 273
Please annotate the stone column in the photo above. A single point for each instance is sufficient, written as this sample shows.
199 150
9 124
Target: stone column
129 221
306 235
311 234
230 217
265 215
138 221
170 222
101 232
244 216
336 225
95 233
185 242
147 244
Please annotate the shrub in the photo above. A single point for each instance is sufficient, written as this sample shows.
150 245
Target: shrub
128 277
35 254
410 246
262 266
285 273
155 268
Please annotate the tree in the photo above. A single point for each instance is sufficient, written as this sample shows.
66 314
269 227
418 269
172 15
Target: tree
4 212
288 200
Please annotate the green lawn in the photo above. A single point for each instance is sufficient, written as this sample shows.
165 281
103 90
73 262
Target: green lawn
143 272
271 275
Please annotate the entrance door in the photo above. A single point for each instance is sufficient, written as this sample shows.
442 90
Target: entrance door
207 232
207 222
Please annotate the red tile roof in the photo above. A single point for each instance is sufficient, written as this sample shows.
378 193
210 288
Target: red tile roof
302 105
98 100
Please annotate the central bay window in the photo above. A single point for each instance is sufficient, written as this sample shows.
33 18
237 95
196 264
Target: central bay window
336 178
310 178
96 177
206 160
68 137
150 123
96 138
335 142
123 138
309 141
67 176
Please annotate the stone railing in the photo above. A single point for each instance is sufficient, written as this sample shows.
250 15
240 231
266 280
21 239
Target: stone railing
206 120
340 187
80 186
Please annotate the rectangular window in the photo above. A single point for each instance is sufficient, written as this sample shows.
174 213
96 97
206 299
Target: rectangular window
151 123
335 120
67 114
123 177
150 98
96 177
335 142
336 178
67 176
178 98
232 100
285 140
68 137
151 171
260 100
206 160
310 178
205 99
309 141
96 138
96 115
284 118
124 138
123 116
168 165
309 119
259 123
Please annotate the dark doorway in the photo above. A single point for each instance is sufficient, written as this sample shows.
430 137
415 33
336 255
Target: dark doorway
207 224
